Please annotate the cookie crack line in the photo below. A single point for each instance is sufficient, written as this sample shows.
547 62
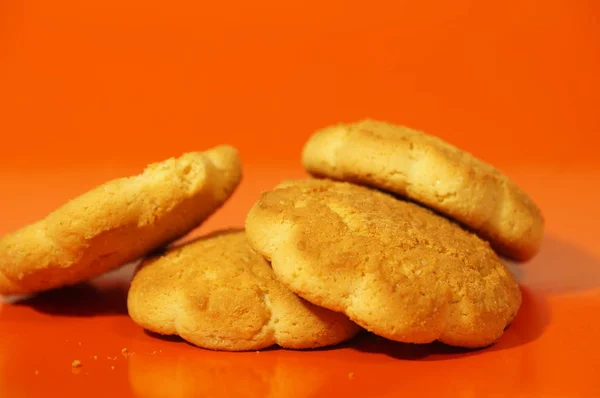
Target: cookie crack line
268 325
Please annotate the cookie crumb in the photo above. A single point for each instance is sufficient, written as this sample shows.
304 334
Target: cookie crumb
37 372
95 357
79 343
112 367
124 351
76 363
351 375
153 353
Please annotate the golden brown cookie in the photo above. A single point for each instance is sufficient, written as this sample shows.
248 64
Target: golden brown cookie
395 268
432 172
118 222
218 293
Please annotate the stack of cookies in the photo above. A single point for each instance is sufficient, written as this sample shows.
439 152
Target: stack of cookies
397 232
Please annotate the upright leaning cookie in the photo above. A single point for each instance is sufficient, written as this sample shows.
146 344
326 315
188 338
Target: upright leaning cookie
395 268
434 173
118 222
218 293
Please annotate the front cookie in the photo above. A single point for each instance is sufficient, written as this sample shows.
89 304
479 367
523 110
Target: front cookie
118 222
434 173
217 293
395 268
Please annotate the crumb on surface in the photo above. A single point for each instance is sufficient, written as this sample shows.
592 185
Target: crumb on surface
95 357
124 351
76 363
112 367
37 372
351 375
79 343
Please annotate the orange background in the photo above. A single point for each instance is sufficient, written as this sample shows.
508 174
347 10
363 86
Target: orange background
94 90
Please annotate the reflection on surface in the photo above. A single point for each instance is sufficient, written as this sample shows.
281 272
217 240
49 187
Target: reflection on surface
199 373
364 366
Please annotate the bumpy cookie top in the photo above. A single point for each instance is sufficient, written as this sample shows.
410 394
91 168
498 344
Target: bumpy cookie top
118 221
433 172
395 268
218 293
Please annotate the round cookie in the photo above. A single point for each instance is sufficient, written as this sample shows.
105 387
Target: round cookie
395 268
218 293
432 172
118 222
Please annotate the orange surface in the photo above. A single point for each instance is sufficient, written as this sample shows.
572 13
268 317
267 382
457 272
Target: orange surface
94 90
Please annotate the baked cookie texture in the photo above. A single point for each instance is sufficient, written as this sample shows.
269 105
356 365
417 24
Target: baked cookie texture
395 268
218 293
434 173
118 222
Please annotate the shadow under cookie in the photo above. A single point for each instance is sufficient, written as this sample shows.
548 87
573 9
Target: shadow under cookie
561 267
82 300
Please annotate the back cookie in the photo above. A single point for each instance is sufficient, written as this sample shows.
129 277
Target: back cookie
217 293
118 222
432 172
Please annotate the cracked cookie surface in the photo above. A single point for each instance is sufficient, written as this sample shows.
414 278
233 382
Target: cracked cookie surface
395 268
430 171
118 221
218 293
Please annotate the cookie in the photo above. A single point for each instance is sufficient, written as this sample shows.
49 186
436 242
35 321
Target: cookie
434 173
218 293
118 222
395 268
